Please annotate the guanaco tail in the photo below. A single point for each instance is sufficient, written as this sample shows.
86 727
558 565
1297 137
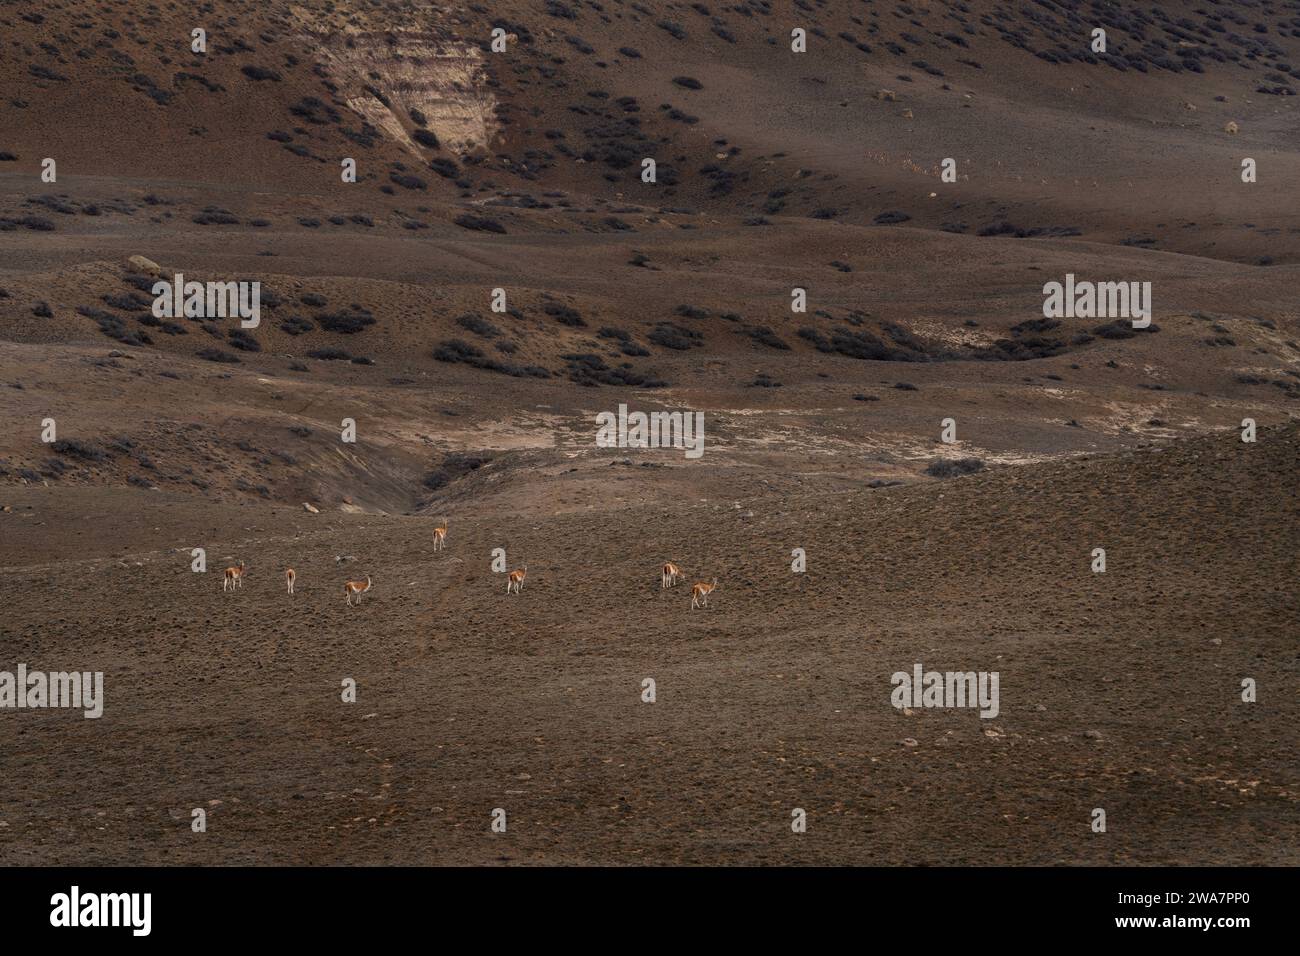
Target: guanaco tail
234 577
671 575
702 591
440 536
516 581
289 578
357 588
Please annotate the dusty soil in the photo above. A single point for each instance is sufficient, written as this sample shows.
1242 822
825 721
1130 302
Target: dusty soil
1119 690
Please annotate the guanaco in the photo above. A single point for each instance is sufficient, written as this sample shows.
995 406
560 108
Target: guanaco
289 578
357 588
702 591
516 581
671 575
234 577
440 536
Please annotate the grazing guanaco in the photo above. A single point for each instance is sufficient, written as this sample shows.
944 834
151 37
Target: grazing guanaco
357 588
671 575
702 590
440 536
289 578
234 577
516 581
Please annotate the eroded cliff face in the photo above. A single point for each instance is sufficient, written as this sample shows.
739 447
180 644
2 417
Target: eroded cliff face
387 75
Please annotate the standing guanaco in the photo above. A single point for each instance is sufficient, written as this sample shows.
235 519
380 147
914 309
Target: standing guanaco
357 588
289 578
516 581
440 536
702 590
234 577
671 575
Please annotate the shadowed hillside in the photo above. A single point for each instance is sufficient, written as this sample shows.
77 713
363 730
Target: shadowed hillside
826 231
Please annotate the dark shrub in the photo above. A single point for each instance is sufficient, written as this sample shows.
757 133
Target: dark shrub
75 448
765 336
407 181
297 325
1122 329
564 315
672 336
952 468
259 73
479 223
241 340
345 323
591 370
478 326
215 216
455 351
444 168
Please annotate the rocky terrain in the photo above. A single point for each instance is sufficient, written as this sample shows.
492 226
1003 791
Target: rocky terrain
498 276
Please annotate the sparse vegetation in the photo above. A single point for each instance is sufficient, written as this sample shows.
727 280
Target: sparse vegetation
954 467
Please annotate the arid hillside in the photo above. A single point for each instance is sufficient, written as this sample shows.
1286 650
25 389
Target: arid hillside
834 234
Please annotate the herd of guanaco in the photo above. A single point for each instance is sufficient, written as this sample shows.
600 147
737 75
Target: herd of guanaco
700 591
671 575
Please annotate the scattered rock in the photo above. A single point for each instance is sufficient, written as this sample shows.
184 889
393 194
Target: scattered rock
142 266
308 506
1232 127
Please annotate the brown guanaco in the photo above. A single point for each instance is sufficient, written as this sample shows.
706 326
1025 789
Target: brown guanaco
234 577
516 581
289 578
356 588
440 536
700 592
671 575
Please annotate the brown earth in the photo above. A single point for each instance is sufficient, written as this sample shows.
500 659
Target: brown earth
1119 690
